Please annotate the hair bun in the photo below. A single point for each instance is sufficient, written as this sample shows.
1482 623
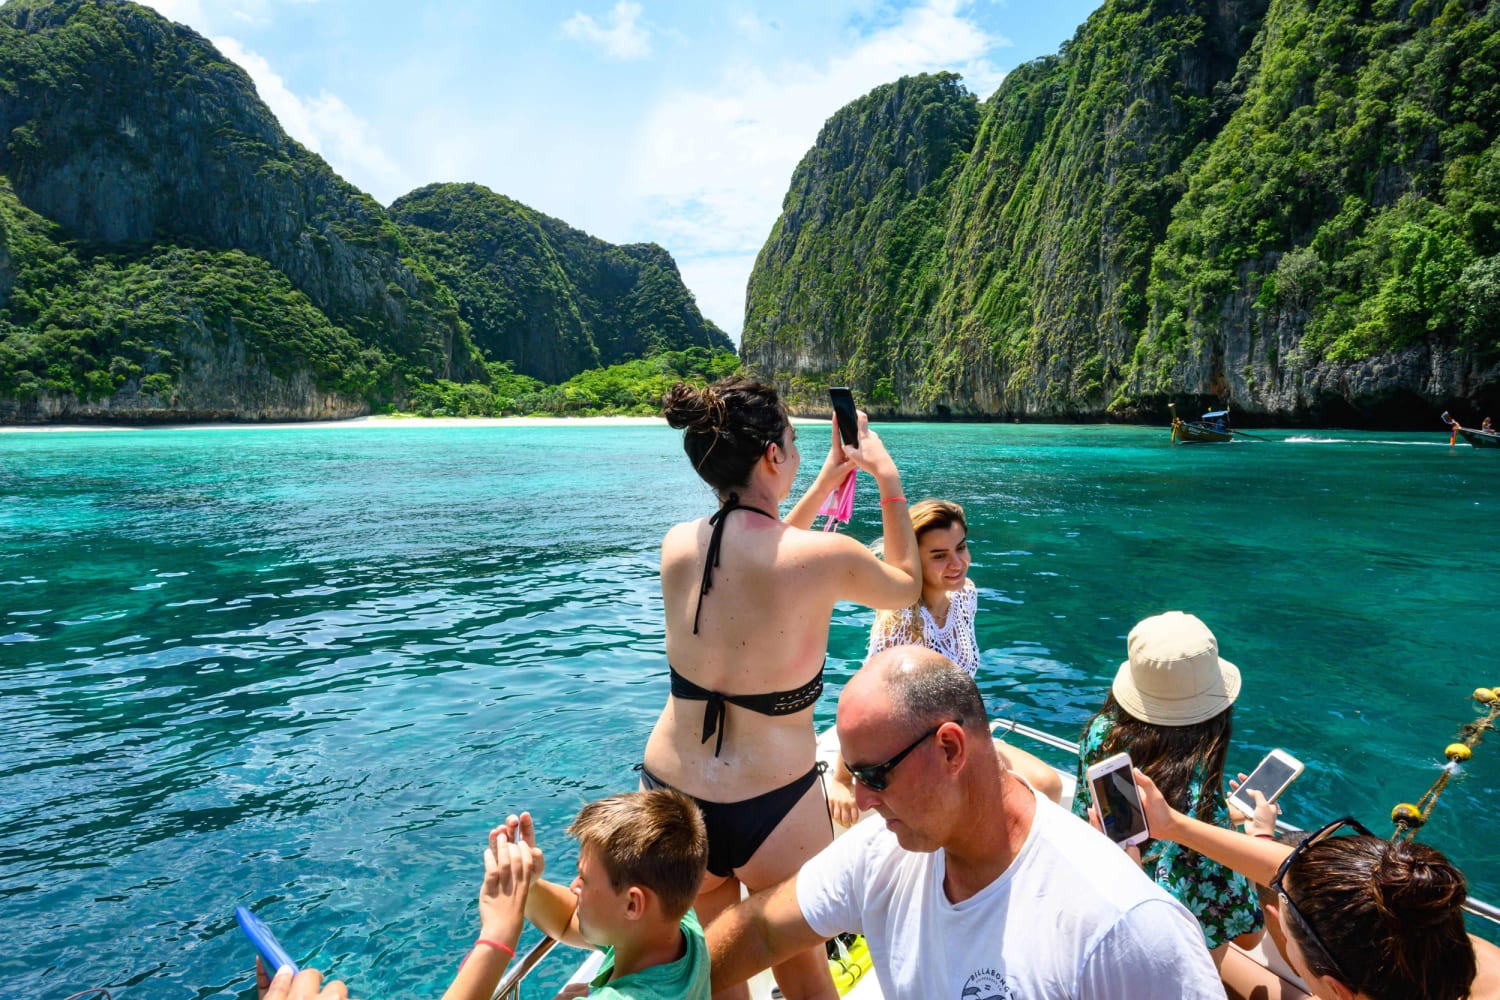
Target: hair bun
687 407
1416 887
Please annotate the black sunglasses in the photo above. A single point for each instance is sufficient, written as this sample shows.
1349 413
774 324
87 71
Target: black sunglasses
875 777
1289 906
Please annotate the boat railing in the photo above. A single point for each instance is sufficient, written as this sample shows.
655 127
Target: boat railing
510 983
1477 907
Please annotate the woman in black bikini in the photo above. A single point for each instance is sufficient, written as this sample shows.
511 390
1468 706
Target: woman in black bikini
748 600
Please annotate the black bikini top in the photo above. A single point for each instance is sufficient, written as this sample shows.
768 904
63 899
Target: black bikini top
769 703
711 560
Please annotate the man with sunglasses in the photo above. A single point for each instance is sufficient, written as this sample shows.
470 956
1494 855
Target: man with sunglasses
968 884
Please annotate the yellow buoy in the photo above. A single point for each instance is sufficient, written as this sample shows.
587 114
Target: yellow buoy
1458 751
1484 695
1406 813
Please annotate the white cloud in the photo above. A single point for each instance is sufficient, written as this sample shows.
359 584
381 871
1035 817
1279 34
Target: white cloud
625 38
713 165
325 125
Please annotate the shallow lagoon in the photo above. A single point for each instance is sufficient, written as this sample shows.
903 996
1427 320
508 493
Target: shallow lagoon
305 668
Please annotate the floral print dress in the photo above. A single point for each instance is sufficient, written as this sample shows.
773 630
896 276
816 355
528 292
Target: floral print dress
1223 900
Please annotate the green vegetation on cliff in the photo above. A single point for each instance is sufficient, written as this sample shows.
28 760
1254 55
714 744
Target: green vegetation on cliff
97 326
1355 193
550 299
168 252
633 388
1293 208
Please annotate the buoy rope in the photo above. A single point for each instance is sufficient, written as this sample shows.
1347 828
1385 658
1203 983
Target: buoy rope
1408 816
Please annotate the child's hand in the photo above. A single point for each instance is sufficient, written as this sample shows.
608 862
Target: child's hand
308 985
502 895
841 803
520 830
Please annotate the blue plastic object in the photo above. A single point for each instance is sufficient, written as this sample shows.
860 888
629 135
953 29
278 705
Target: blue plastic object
271 951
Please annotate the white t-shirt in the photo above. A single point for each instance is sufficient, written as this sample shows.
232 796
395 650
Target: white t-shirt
1071 917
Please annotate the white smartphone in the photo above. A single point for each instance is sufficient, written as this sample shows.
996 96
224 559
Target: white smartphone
1270 777
1117 800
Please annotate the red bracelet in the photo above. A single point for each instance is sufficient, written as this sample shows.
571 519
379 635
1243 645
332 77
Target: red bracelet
1266 836
496 944
886 500
501 945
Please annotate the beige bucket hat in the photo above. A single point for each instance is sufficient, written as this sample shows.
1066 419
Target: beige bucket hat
1175 676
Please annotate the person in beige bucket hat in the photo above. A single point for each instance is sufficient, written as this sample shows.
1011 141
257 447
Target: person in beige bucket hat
1175 676
1170 707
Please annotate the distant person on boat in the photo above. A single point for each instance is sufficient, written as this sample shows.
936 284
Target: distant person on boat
943 620
969 884
1360 916
1487 427
1171 708
641 859
748 600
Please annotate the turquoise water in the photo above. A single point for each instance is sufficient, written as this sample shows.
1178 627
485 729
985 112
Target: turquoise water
306 668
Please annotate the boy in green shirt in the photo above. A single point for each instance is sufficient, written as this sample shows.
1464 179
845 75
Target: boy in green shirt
641 859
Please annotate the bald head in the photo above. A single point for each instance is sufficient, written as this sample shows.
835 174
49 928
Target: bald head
917 688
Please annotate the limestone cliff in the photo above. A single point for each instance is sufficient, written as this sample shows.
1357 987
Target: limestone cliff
126 129
1290 209
550 299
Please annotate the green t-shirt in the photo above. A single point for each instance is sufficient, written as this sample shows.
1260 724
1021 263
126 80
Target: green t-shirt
684 979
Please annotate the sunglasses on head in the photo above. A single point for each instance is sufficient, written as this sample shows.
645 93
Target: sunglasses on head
1289 906
876 777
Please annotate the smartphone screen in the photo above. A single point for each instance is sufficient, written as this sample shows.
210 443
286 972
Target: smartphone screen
1119 805
844 415
1270 778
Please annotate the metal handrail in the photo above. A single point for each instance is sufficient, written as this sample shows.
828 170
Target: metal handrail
510 983
1477 907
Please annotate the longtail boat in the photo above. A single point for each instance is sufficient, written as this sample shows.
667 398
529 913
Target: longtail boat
1479 439
1212 428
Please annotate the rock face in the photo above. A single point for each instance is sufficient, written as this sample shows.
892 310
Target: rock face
550 299
126 129
168 253
1291 210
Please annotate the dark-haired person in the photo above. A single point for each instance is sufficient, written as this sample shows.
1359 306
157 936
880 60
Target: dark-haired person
748 600
968 884
1363 918
1170 708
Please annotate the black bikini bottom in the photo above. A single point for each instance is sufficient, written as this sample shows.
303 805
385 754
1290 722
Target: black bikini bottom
737 829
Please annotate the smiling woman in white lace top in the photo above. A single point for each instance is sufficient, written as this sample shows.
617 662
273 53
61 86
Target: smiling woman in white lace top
943 620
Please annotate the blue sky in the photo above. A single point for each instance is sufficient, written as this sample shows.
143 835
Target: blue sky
635 120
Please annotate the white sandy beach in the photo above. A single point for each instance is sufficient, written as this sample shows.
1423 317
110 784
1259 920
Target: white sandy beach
373 421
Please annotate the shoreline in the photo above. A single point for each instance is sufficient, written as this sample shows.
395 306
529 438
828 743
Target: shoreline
377 420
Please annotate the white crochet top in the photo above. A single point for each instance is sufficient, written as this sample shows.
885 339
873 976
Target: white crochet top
955 639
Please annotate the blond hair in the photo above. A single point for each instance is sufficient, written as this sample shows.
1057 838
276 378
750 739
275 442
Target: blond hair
926 515
654 839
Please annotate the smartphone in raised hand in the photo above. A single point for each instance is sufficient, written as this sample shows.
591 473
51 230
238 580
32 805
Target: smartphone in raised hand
1270 777
1117 801
844 414
271 952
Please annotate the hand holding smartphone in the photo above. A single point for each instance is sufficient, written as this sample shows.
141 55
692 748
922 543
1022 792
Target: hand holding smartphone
844 414
1117 801
270 949
1270 777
